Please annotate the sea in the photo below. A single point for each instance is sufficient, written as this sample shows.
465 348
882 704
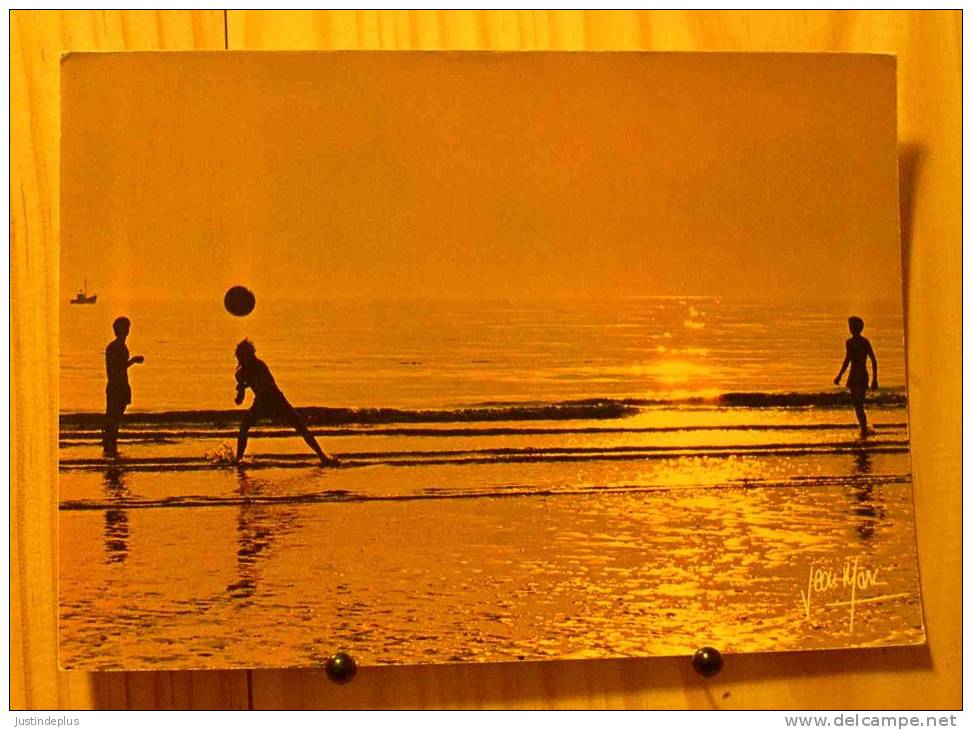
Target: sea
517 481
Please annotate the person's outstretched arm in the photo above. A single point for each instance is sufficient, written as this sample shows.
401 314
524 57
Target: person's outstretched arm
135 361
870 354
843 367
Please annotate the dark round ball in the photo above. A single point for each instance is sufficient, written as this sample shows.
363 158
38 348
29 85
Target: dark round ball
707 661
341 668
239 301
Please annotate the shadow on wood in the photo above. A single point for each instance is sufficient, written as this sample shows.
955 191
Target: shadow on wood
747 681
909 167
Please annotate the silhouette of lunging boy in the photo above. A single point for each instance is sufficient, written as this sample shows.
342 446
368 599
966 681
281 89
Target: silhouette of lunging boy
118 393
858 352
268 401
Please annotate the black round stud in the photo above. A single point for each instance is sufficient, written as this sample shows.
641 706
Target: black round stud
707 661
341 668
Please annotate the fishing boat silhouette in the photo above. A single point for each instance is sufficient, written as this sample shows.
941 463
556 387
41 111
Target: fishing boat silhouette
82 297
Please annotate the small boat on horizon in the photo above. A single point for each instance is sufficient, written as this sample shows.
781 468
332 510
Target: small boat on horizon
82 297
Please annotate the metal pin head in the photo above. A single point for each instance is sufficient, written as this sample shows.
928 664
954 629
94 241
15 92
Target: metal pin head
707 661
341 668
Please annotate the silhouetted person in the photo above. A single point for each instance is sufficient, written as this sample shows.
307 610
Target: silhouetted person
118 393
268 401
858 352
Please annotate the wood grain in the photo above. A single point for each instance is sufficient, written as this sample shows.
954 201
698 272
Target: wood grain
928 45
37 40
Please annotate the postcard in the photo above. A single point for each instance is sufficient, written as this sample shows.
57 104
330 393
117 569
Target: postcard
439 357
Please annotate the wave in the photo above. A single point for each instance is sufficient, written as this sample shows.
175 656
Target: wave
487 456
829 399
170 436
438 493
321 416
586 409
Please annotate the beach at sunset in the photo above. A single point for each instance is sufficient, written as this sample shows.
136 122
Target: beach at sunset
462 357
674 504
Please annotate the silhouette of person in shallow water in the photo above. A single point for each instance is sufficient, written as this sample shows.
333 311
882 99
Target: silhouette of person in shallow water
858 352
268 401
118 393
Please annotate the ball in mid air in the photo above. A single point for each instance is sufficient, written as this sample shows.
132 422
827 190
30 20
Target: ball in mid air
239 301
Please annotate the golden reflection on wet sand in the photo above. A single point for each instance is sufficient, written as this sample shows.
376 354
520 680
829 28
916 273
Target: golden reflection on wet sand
580 575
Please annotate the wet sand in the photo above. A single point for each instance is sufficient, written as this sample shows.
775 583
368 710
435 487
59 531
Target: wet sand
608 554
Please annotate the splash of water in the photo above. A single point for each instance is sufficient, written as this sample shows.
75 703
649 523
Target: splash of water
221 455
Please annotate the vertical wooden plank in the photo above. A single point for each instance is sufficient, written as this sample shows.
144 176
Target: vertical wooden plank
928 45
37 40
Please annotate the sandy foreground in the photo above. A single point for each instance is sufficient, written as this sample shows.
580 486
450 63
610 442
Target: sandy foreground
449 577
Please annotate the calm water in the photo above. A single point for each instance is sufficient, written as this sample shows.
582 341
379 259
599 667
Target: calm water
649 525
441 354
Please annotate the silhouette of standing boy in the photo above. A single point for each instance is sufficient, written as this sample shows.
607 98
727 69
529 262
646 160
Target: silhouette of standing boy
858 352
118 393
268 401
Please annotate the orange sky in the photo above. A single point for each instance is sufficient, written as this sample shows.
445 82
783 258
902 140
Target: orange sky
334 175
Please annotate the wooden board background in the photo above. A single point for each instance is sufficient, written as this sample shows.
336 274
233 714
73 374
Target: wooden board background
928 45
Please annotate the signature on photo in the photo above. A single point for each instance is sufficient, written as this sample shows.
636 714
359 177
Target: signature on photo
851 582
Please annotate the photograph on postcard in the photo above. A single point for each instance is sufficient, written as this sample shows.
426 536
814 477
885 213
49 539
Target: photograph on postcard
473 357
